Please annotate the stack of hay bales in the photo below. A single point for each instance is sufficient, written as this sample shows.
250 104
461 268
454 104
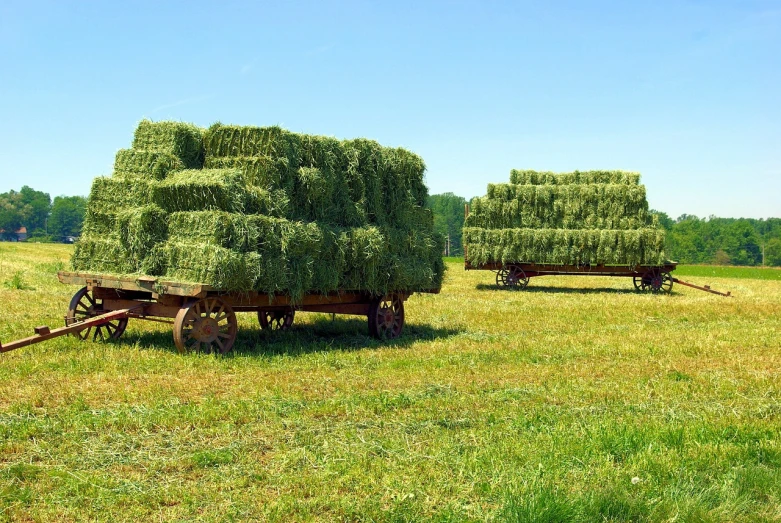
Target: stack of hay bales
263 209
577 218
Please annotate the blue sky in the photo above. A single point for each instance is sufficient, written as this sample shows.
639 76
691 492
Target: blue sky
685 92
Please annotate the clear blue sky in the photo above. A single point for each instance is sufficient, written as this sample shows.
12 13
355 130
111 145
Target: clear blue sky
685 92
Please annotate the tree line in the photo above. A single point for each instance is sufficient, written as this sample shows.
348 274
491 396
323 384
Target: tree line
44 219
690 239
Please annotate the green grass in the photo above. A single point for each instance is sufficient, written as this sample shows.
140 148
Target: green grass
577 399
719 271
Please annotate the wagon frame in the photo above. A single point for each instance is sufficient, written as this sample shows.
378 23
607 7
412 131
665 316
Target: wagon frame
203 318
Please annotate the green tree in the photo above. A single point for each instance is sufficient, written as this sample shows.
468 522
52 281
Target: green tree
36 205
11 213
773 252
448 210
67 216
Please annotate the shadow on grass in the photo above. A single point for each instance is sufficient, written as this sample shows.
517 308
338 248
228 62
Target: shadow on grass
346 334
557 290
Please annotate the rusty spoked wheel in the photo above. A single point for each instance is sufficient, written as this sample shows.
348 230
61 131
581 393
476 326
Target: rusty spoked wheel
386 317
512 277
207 325
657 281
84 306
276 320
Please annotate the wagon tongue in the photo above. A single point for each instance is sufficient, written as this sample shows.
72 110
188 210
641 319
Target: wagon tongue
705 288
44 333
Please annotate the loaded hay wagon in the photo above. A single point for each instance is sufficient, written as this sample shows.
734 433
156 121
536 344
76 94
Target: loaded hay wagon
196 225
592 223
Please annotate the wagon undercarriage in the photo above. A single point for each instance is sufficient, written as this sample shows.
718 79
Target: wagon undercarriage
203 319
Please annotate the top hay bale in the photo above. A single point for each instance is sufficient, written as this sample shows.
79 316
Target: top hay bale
526 177
182 140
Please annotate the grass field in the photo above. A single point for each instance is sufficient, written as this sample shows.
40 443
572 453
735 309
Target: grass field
576 399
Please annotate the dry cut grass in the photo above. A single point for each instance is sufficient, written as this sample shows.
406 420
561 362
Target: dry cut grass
577 399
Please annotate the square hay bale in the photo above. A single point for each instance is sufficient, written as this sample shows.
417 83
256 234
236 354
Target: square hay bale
209 264
145 164
202 189
103 254
141 228
152 164
182 140
234 140
111 192
234 231
261 171
365 164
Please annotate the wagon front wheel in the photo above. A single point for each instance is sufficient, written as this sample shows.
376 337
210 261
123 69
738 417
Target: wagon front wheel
276 320
207 325
640 285
386 317
660 282
84 306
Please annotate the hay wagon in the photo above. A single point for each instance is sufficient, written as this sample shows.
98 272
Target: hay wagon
653 278
644 277
203 318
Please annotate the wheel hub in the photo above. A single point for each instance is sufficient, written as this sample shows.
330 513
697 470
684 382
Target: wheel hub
207 330
387 316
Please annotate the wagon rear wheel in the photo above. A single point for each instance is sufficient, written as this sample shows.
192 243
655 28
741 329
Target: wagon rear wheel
512 276
207 325
83 306
639 284
276 320
386 317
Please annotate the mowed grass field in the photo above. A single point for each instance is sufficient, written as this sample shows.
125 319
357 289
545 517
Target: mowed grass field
576 399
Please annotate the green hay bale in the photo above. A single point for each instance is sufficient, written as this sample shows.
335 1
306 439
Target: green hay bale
141 228
565 247
272 203
205 189
365 164
405 170
147 164
527 177
301 243
184 141
229 230
103 254
234 140
260 171
118 192
100 220
218 267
